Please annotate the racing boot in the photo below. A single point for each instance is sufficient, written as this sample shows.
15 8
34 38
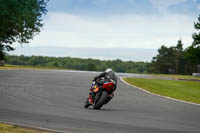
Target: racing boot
90 100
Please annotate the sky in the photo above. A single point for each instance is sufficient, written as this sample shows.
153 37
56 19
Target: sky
117 23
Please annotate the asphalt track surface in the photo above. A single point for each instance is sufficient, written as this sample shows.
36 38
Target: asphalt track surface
54 100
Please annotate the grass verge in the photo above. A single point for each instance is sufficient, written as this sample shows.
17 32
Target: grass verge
186 77
8 67
6 128
183 90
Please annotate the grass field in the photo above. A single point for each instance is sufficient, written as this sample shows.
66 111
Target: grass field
5 128
7 67
176 76
183 90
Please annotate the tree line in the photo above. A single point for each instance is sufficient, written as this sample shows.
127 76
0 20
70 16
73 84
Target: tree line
78 63
176 60
21 20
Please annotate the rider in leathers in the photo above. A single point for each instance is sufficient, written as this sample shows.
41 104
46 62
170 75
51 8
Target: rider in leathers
107 76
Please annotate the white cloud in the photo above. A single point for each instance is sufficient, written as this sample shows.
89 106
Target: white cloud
162 5
129 31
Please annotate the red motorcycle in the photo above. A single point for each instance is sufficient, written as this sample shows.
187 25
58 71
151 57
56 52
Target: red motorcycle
103 94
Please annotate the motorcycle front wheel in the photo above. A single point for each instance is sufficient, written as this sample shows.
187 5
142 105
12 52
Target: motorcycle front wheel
86 105
101 100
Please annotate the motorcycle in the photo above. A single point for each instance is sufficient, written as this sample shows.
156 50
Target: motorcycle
103 94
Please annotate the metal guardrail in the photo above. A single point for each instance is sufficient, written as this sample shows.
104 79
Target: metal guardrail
196 74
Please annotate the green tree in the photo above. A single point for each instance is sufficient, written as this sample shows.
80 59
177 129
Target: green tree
192 53
169 60
163 62
192 56
179 58
196 36
20 21
79 64
91 66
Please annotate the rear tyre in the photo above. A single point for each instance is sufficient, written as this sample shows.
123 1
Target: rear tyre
101 100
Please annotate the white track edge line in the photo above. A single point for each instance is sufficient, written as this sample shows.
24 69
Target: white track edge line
33 127
121 78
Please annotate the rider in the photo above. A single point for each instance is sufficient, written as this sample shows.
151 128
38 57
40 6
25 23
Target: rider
107 76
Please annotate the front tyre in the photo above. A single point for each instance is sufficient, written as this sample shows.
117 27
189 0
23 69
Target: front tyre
87 104
101 100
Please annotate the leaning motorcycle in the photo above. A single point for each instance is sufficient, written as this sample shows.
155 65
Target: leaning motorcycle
103 94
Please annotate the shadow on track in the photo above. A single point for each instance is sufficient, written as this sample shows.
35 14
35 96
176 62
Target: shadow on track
102 109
